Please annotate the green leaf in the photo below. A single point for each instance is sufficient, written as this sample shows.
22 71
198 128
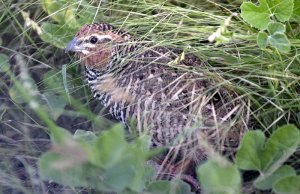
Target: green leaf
276 28
109 148
53 81
56 104
221 178
281 145
143 174
276 39
281 42
296 12
257 16
120 176
268 158
174 187
87 13
130 172
143 142
60 136
262 40
127 168
84 135
260 15
107 163
254 155
137 154
265 183
75 175
288 185
282 9
4 65
248 156
57 35
63 12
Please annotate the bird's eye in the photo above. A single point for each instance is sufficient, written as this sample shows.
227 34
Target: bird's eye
93 40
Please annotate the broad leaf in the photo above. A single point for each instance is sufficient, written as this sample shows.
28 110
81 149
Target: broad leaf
106 163
276 38
282 9
262 40
144 174
265 183
73 175
174 187
281 42
121 175
267 157
260 15
57 35
276 28
281 145
288 185
109 148
221 178
63 12
257 16
296 12
248 156
84 135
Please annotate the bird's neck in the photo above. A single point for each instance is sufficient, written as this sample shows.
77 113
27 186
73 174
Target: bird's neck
92 74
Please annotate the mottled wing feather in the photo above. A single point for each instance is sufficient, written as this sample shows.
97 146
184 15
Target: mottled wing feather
169 100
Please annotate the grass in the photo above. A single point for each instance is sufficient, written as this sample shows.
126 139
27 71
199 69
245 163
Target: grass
268 78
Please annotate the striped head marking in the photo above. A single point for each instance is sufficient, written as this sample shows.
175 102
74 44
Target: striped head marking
93 43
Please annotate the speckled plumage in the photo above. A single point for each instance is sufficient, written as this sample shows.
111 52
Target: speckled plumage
159 90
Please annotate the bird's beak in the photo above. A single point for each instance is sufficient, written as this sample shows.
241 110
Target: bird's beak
73 46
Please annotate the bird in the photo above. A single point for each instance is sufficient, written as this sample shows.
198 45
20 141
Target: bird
174 96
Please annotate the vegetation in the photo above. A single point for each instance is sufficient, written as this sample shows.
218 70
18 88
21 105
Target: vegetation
54 138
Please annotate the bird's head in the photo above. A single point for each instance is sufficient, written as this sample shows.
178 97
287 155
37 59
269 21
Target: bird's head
93 44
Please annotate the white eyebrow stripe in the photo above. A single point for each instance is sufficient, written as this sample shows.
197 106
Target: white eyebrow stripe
99 37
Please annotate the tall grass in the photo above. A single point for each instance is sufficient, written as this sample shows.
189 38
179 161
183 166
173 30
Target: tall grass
61 99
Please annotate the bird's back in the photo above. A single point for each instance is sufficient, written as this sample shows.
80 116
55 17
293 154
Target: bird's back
169 95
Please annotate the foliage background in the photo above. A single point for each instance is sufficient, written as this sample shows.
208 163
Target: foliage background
42 90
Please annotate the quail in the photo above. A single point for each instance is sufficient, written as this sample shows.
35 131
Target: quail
173 96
